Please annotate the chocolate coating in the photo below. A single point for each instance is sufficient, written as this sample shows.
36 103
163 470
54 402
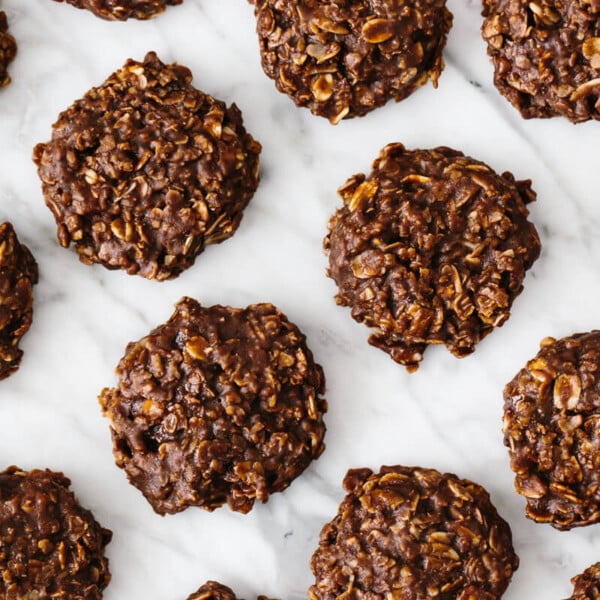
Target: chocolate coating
8 50
413 533
51 546
144 171
551 416
18 274
586 585
343 58
430 248
212 590
546 55
120 10
218 405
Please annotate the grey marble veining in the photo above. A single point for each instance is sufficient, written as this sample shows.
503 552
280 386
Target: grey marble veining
447 415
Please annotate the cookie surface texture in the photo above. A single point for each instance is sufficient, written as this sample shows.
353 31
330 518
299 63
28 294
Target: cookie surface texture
409 532
343 58
219 405
551 415
212 590
51 546
546 56
8 50
18 274
430 248
120 10
145 170
586 585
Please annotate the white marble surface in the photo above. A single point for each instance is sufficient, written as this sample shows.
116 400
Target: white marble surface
447 415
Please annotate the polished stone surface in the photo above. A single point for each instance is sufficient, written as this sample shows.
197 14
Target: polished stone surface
447 415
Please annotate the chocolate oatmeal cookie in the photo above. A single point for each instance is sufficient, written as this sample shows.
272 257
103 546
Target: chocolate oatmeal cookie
18 274
343 58
51 546
408 532
586 586
430 248
212 590
8 50
546 55
218 405
120 10
551 416
144 171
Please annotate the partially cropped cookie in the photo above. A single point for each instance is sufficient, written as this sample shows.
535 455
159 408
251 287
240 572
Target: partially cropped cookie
551 416
430 248
18 274
546 56
343 58
212 590
8 50
218 405
586 586
145 171
51 546
120 10
409 532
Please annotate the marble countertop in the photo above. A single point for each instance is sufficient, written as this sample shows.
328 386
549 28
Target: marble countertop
447 415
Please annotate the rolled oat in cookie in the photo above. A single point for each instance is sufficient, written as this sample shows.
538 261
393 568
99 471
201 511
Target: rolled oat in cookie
546 55
8 50
343 58
430 248
120 10
551 417
218 405
18 274
212 590
51 546
586 585
145 171
414 533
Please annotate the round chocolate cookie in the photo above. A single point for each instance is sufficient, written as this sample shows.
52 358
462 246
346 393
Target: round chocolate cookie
430 248
546 55
408 532
217 405
212 590
18 274
586 586
144 171
343 58
120 10
51 546
551 416
8 50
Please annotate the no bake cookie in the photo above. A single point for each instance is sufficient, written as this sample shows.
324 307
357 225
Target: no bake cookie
120 10
218 405
409 532
18 274
546 55
145 171
212 590
51 546
551 416
430 248
586 585
343 58
8 50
